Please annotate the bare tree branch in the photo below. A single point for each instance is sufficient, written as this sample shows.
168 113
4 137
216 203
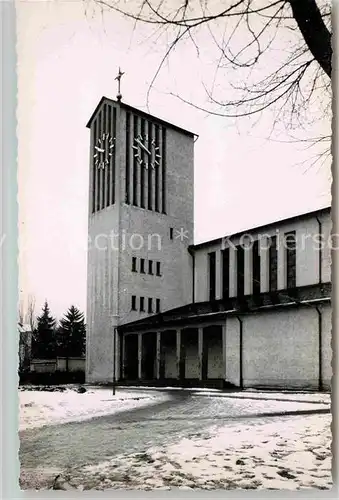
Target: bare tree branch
315 33
247 34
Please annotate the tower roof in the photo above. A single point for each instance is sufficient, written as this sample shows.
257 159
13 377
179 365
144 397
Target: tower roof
141 113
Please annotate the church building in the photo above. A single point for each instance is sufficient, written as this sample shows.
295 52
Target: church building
251 309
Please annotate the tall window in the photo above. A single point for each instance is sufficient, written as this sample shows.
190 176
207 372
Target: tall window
273 264
103 158
150 305
211 262
150 267
134 264
150 172
142 169
240 271
145 163
142 304
112 181
134 303
256 267
226 273
163 173
95 170
156 173
135 165
290 252
127 172
142 265
158 268
157 305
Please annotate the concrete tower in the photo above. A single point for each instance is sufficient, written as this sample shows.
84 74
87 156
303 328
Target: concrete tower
140 225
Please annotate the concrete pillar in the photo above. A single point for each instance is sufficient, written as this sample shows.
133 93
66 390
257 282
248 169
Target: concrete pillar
233 272
224 348
265 266
218 274
201 351
158 355
179 354
139 356
281 261
248 268
115 348
118 356
123 355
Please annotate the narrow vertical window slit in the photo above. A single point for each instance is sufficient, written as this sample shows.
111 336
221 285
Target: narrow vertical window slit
150 168
144 158
114 139
104 169
99 169
156 181
94 168
109 166
163 164
128 147
135 163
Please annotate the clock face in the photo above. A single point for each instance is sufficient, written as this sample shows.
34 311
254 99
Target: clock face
141 145
103 150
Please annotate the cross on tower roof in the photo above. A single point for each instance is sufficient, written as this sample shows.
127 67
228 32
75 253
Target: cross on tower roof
118 77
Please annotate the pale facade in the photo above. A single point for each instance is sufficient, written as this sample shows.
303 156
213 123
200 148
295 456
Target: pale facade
261 321
247 310
140 199
310 229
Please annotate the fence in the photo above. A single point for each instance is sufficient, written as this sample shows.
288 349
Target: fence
75 364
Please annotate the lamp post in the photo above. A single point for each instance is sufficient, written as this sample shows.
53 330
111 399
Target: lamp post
114 323
113 378
114 356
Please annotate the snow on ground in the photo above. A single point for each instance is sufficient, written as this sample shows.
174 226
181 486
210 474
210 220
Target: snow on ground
38 408
286 453
296 396
305 397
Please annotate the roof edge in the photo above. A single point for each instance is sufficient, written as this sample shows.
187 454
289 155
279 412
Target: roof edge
142 113
205 308
134 327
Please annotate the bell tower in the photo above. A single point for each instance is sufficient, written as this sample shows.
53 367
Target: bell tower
139 228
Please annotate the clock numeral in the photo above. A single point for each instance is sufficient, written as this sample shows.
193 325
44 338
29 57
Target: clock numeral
141 146
103 150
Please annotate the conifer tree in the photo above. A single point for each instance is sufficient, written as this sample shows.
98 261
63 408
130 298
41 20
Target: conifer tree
44 336
71 335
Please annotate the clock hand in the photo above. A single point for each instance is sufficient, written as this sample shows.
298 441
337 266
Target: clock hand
99 149
142 146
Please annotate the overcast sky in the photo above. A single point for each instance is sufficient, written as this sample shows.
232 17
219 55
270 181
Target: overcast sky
67 60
